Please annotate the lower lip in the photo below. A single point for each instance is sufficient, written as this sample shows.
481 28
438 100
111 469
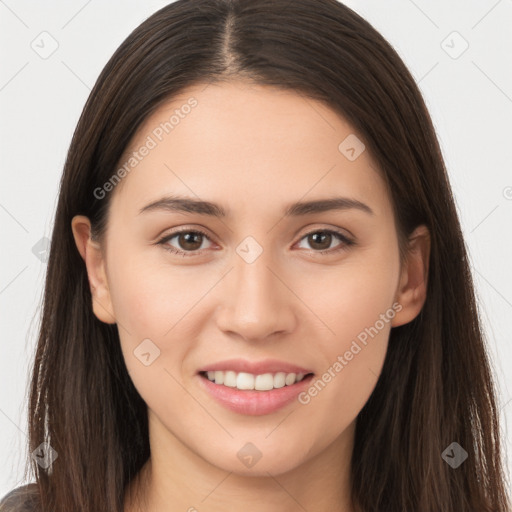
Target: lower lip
252 402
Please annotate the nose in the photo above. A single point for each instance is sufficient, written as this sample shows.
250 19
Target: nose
257 301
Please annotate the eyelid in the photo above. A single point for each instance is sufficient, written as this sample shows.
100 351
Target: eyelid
313 228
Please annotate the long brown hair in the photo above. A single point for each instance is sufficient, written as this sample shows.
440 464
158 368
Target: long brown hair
436 385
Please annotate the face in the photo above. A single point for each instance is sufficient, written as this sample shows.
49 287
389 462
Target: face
264 288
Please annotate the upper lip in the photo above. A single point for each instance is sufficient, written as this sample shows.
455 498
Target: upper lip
255 367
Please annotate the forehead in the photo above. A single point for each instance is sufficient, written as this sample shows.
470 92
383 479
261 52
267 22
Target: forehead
246 145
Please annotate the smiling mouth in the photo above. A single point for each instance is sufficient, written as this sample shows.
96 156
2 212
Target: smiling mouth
247 381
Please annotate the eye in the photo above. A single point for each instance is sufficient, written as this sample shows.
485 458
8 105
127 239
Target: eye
188 239
322 239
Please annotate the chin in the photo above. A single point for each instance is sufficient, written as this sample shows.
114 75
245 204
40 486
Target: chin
258 459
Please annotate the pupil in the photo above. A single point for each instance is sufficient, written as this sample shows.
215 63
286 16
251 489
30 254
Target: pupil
323 236
189 239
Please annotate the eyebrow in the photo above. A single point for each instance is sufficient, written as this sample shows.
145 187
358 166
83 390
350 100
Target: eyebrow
188 205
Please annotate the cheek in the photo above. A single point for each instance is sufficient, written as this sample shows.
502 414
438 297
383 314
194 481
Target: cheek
152 339
351 297
149 300
356 304
149 294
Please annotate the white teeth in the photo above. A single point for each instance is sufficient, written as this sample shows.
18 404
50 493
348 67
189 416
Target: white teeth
290 379
279 380
245 381
263 382
230 379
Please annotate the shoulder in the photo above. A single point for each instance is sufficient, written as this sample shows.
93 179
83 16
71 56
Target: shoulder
21 499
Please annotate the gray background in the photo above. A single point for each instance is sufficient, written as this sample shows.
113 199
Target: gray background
468 92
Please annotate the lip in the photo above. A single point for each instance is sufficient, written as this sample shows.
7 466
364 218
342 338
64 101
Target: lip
255 367
253 402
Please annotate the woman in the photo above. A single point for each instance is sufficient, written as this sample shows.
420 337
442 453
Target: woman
258 294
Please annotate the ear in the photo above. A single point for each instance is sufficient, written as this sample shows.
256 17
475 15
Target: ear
412 289
93 257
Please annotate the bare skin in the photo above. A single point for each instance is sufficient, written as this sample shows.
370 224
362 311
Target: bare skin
253 150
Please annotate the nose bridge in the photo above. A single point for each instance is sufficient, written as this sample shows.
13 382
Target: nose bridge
258 304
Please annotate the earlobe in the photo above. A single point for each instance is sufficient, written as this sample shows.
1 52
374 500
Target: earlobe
412 289
95 265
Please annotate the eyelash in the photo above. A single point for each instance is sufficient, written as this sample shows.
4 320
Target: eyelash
342 247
